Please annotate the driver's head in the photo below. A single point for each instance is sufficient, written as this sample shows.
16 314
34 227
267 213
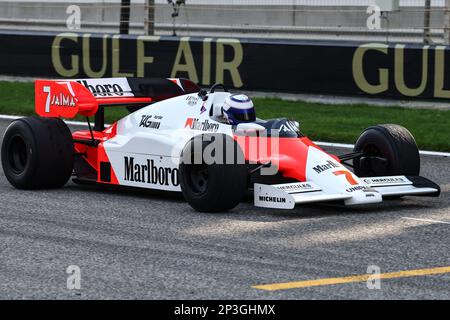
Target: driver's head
238 108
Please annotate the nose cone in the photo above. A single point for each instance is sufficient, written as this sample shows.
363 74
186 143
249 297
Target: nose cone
333 177
364 196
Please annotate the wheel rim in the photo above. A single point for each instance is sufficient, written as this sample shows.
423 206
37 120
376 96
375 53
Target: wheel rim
17 154
198 178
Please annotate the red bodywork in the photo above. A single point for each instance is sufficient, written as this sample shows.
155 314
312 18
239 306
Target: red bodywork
291 157
94 155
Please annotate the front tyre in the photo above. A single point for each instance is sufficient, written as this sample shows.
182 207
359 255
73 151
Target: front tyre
213 184
37 153
389 150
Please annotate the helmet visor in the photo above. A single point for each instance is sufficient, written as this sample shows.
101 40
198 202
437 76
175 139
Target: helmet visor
242 115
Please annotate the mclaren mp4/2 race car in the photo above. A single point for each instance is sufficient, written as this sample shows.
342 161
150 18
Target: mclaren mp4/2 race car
171 126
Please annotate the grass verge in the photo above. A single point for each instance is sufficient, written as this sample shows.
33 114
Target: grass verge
335 123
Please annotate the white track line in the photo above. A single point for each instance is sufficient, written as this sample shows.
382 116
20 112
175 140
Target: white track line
350 146
320 143
334 144
427 220
73 123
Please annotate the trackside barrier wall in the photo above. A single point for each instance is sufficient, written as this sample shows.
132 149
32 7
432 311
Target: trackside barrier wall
325 67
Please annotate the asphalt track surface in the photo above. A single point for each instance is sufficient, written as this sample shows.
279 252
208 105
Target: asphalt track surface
138 246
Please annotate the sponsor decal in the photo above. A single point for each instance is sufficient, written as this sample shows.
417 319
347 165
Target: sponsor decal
196 124
150 173
147 121
289 126
385 180
62 100
203 108
356 188
103 90
297 187
324 167
348 175
272 199
192 100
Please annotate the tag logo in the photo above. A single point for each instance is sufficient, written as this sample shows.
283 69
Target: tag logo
147 122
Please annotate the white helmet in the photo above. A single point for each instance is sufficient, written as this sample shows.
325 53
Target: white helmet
238 108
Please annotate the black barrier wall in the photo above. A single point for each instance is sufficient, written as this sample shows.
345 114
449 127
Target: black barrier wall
346 68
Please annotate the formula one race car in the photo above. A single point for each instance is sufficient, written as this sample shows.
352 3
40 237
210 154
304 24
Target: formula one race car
171 141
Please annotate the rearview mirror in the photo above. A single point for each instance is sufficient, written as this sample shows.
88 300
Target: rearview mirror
248 128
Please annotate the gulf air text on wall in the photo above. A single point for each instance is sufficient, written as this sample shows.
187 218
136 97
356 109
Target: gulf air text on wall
298 66
117 56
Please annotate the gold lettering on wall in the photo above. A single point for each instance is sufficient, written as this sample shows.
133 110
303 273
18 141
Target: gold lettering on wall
184 50
116 59
400 72
358 69
232 65
439 67
206 70
87 57
56 56
142 59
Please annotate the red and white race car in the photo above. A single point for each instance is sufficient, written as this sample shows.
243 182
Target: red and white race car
171 142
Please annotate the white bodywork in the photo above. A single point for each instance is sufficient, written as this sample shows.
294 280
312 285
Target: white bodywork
168 126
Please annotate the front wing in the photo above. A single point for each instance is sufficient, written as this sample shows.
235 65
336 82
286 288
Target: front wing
286 196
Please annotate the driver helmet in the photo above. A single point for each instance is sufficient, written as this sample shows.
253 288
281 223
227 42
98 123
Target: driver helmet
238 108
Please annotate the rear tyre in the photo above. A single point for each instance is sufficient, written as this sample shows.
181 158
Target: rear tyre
388 149
37 153
213 186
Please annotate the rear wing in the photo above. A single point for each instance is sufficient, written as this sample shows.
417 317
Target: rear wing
68 98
